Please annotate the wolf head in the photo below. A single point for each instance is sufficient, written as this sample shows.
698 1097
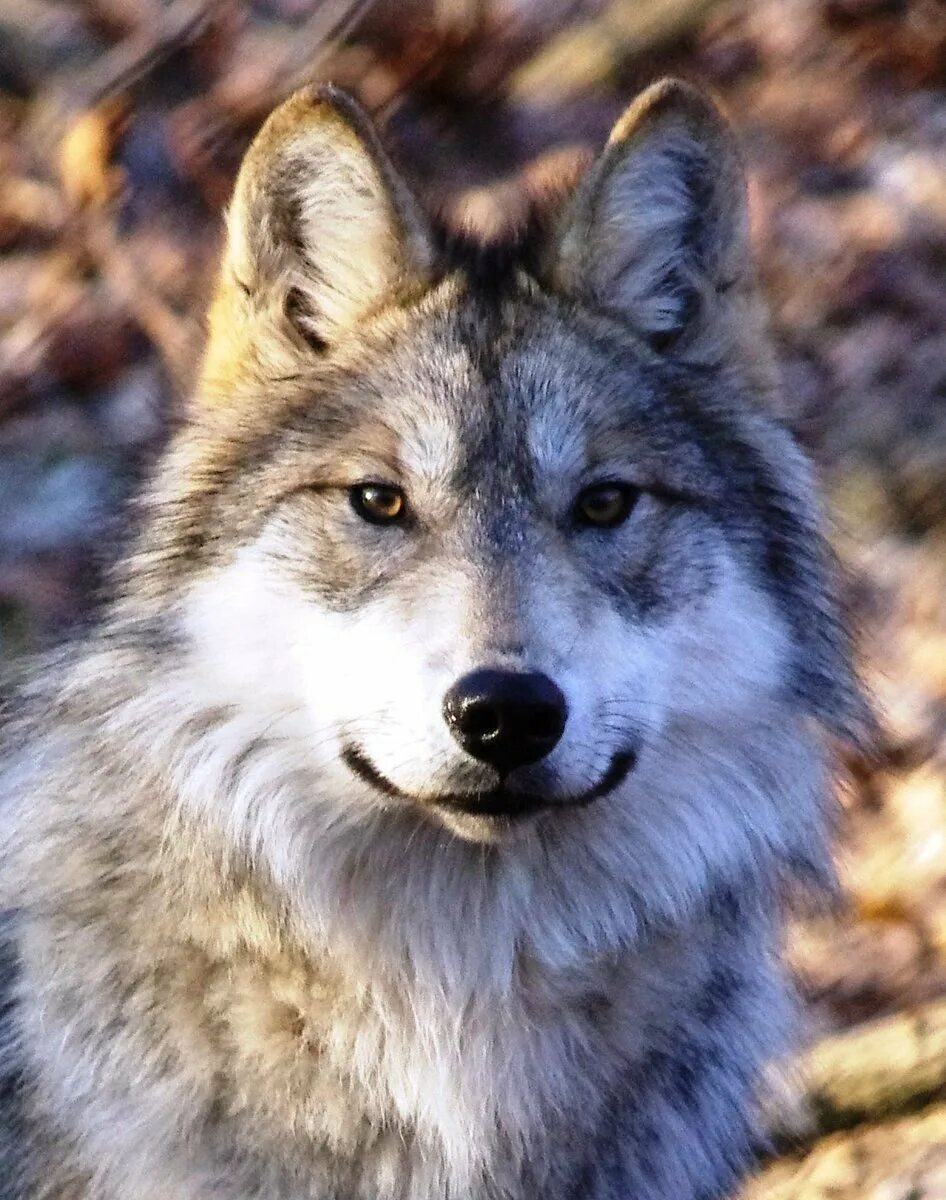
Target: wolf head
490 536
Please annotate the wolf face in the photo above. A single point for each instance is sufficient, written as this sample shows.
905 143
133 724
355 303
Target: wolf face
492 591
489 535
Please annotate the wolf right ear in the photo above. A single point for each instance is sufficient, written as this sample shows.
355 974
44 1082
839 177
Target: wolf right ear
657 231
320 223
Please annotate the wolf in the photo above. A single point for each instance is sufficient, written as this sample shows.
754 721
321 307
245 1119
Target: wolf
419 820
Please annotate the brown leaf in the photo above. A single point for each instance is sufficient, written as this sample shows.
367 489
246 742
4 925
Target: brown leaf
85 155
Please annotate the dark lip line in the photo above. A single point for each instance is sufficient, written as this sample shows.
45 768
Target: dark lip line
496 803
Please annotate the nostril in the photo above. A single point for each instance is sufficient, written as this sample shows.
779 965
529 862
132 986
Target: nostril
545 723
480 720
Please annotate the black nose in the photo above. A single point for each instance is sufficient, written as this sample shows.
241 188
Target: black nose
505 718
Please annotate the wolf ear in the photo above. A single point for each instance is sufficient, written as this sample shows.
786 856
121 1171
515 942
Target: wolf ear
320 223
657 231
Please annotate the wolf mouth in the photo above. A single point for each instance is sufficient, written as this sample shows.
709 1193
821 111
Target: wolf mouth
499 801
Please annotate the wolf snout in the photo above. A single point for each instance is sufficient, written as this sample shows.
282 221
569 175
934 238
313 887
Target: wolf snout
506 718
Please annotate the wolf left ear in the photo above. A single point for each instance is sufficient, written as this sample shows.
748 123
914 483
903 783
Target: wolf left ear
657 231
321 226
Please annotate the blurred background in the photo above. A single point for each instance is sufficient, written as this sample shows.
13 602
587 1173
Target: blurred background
121 125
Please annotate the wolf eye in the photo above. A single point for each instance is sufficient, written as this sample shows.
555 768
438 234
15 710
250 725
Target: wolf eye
379 503
605 505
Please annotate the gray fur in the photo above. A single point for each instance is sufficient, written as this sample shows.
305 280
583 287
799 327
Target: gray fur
232 968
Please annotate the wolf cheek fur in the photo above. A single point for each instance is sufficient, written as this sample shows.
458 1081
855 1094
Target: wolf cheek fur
278 928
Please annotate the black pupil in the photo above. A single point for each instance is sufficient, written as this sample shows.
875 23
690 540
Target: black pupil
604 504
606 499
382 503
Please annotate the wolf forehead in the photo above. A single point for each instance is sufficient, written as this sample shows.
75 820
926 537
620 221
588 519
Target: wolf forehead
503 402
468 394
469 388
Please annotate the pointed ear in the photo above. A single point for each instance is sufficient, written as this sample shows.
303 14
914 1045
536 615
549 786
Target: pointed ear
321 226
657 231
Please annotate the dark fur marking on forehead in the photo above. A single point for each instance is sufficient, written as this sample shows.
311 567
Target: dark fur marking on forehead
495 462
490 266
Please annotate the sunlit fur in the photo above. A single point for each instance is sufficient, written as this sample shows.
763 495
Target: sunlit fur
232 968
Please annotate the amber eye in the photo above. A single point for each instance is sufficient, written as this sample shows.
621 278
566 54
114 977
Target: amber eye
605 505
379 503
